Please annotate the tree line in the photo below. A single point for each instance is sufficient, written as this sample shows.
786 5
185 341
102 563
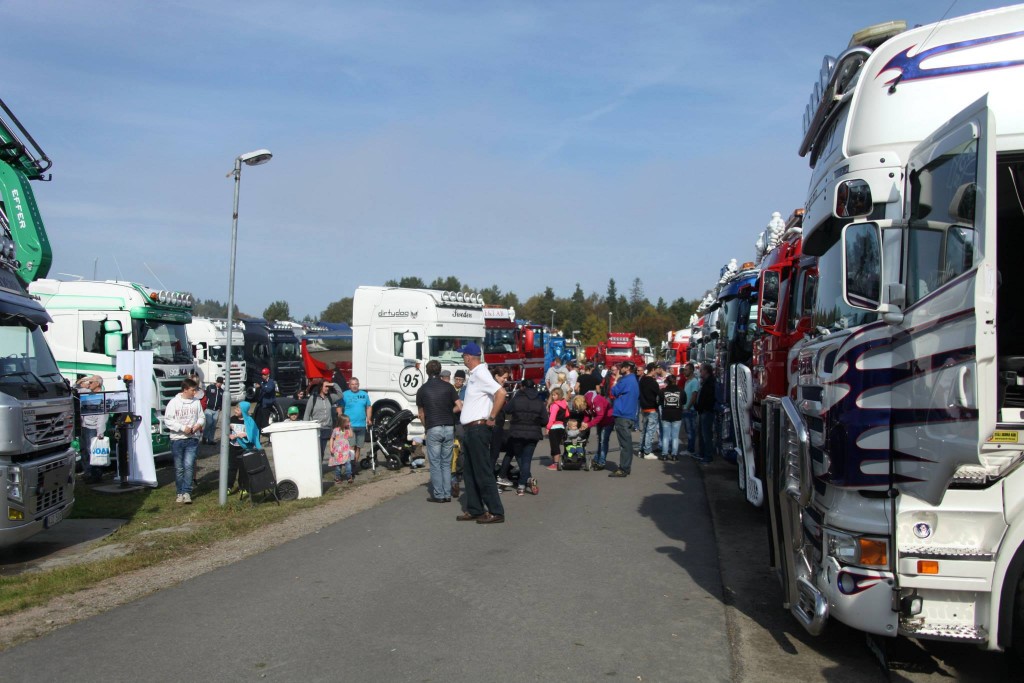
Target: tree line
586 315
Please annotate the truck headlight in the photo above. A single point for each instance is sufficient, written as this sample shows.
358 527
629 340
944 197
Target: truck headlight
14 483
863 551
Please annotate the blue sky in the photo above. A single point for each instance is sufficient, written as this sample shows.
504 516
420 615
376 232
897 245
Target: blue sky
520 144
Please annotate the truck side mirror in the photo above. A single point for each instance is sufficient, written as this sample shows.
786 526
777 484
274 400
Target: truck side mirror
113 338
862 266
768 311
528 337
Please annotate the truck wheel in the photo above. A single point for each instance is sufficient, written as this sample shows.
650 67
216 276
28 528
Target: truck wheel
274 415
1017 645
382 415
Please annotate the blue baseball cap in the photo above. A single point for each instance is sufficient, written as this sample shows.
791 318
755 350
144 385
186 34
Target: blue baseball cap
470 349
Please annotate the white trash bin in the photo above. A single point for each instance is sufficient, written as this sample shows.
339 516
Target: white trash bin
297 456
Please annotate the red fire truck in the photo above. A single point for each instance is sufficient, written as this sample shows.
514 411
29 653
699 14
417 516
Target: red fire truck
520 346
677 347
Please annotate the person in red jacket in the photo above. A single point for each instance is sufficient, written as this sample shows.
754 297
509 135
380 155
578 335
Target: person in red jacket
599 417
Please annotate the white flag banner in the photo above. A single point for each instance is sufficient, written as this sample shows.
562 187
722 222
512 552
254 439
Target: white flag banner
139 364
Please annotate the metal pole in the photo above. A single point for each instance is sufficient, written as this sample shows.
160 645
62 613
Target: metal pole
225 414
609 322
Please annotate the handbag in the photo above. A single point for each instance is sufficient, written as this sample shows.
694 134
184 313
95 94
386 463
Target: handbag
99 451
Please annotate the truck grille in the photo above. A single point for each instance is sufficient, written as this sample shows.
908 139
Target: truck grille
236 381
48 426
166 389
49 495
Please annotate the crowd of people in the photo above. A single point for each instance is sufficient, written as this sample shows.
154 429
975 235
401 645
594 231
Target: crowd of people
484 421
471 409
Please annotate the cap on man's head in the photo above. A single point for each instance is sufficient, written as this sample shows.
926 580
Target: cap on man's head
293 410
266 371
460 374
470 349
446 373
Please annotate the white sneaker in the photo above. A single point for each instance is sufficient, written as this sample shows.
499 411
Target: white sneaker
504 482
180 498
650 456
186 499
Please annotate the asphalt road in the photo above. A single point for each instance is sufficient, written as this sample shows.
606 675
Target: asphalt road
658 577
593 579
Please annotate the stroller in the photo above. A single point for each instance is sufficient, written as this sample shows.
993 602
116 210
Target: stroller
574 450
390 438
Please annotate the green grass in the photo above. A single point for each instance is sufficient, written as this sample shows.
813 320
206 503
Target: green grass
204 522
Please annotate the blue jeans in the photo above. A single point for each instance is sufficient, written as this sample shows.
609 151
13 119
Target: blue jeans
522 451
690 425
210 426
604 435
343 471
649 432
670 437
707 436
623 427
440 442
184 452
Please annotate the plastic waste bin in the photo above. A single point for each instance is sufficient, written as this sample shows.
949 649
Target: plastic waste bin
296 459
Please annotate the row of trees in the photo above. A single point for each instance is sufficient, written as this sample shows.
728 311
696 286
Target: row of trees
588 316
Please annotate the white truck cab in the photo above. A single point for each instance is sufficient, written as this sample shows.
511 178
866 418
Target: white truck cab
209 338
93 320
396 331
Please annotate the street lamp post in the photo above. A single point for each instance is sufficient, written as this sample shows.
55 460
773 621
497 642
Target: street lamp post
609 322
552 320
260 156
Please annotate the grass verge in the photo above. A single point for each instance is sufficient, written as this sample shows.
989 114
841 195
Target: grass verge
158 529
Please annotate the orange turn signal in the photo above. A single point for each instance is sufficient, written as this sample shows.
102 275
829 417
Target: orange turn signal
873 552
927 567
128 378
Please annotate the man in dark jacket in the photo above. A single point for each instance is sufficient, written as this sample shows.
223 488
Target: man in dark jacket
214 403
527 413
649 394
437 401
706 412
266 396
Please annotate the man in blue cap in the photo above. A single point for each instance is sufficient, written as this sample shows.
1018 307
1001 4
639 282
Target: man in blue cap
484 400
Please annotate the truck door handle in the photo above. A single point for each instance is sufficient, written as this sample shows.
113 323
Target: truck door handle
961 387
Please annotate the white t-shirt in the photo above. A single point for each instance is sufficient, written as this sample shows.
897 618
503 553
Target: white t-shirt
480 390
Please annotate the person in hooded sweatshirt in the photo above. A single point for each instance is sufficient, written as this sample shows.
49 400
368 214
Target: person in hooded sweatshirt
527 413
184 419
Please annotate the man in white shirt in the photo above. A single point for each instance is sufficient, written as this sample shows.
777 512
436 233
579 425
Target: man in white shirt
484 400
551 376
184 419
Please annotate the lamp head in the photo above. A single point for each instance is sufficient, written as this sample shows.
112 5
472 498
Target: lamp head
260 156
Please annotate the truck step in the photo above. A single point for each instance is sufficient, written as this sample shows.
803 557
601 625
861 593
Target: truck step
959 632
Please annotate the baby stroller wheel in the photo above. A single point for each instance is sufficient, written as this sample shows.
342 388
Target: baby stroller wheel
365 463
287 490
393 463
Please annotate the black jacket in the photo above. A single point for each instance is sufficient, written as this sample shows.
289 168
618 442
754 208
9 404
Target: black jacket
649 392
705 402
527 413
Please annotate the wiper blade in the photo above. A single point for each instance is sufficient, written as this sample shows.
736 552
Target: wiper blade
28 374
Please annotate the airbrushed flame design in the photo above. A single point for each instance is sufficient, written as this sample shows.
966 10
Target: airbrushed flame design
913 69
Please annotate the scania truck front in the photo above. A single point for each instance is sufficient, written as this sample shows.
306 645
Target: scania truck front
37 464
894 479
93 320
209 338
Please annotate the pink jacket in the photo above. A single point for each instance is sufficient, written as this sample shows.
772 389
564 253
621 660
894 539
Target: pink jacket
553 410
599 411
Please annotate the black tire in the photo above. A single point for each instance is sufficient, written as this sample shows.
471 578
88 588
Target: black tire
287 490
1017 644
383 414
274 415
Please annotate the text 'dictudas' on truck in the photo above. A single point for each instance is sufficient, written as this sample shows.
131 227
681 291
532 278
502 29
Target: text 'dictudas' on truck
93 320
209 337
396 331
894 484
37 463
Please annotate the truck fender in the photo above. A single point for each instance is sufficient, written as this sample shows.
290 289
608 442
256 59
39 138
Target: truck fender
1007 592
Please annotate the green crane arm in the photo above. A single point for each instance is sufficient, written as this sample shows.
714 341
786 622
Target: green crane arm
20 220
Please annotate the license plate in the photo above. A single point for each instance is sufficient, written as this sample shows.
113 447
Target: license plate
53 518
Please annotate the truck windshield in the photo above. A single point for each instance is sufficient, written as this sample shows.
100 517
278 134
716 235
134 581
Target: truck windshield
218 353
500 341
168 341
288 350
620 352
445 349
24 355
